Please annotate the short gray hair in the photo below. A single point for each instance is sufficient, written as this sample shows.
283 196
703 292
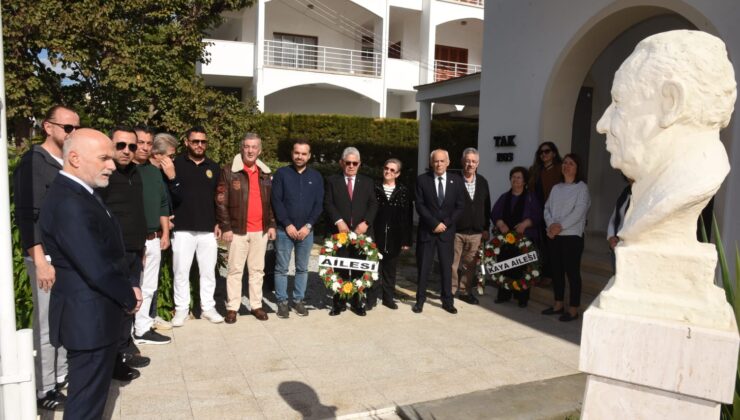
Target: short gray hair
431 155
350 151
161 142
250 136
396 161
468 151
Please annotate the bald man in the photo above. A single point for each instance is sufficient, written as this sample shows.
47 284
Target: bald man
91 293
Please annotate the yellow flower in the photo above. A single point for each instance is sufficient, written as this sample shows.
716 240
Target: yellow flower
510 238
347 287
515 286
342 238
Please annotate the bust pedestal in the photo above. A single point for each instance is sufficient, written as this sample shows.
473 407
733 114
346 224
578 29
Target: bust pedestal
661 341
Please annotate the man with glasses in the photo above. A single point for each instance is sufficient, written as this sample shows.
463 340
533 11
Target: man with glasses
351 205
32 178
196 230
472 227
156 212
124 197
297 199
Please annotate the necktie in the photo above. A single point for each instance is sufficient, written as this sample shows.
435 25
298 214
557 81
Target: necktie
99 199
440 192
349 187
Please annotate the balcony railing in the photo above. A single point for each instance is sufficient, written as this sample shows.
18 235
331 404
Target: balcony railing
317 58
444 70
471 2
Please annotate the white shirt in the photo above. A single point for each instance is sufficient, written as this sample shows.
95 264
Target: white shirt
77 180
444 182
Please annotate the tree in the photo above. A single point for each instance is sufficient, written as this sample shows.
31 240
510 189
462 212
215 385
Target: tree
117 61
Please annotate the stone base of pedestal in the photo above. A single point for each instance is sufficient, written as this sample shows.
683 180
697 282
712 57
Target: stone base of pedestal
643 367
607 399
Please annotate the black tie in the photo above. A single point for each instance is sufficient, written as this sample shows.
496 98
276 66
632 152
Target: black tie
440 192
100 201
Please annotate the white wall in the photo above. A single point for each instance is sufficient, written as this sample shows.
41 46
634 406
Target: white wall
404 27
316 100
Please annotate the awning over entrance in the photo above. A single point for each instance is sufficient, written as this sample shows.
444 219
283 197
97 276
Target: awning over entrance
463 91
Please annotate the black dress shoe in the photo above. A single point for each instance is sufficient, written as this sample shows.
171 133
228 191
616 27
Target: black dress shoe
567 317
417 308
390 305
359 310
122 372
552 311
136 361
450 308
469 299
336 310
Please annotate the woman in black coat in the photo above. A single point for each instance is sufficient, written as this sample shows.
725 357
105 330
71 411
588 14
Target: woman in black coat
393 224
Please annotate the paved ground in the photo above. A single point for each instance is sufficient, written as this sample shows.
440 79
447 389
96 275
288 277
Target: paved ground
346 366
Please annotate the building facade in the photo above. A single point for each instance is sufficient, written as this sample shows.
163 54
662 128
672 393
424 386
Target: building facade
548 68
354 57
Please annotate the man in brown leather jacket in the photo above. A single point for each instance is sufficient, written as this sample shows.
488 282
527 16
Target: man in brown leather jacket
244 214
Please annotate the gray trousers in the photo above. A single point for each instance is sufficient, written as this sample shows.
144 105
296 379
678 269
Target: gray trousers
50 362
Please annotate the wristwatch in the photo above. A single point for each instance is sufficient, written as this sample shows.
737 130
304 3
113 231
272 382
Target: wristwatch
309 226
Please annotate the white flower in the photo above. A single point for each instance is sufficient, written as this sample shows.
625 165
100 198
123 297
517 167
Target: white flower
535 273
528 243
335 287
496 250
358 283
380 256
322 271
333 277
328 245
368 239
375 276
352 236
527 276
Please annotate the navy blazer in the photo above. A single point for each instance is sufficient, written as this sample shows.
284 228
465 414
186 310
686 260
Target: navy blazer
91 291
362 207
431 213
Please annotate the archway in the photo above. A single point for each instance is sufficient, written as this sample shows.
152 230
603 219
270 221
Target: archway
578 92
335 100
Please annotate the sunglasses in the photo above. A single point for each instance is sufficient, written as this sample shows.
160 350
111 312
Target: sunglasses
351 163
122 145
545 151
391 170
68 128
197 142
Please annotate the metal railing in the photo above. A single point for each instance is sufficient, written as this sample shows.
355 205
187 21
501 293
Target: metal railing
289 55
471 2
444 70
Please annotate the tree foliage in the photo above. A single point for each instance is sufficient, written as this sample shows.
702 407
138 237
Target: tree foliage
117 61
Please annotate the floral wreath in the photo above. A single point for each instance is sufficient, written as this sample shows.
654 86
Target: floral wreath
489 252
333 281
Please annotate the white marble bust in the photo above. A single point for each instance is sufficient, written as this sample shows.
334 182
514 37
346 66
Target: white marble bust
670 99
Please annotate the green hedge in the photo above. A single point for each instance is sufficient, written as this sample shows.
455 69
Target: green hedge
376 139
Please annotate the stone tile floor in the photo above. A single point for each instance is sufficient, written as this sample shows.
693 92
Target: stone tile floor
347 366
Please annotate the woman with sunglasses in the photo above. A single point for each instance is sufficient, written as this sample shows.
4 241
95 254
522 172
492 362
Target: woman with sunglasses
565 217
544 173
393 224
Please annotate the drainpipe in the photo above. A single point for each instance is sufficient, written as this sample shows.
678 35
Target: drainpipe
17 380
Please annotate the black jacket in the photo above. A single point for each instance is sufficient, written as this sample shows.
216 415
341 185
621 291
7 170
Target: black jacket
395 219
337 204
31 180
91 291
475 216
124 196
431 213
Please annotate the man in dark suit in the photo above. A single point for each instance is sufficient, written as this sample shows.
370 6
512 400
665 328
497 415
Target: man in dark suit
440 202
350 205
92 292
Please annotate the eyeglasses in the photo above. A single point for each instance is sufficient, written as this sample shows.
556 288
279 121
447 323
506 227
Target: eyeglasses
391 170
68 128
197 142
351 163
122 145
545 151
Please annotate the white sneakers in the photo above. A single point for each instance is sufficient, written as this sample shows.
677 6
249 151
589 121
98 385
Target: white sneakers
161 324
212 316
180 317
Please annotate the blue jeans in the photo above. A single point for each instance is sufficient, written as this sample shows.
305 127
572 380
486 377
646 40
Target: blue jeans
284 247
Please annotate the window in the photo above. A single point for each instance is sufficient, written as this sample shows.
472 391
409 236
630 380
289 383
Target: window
296 51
